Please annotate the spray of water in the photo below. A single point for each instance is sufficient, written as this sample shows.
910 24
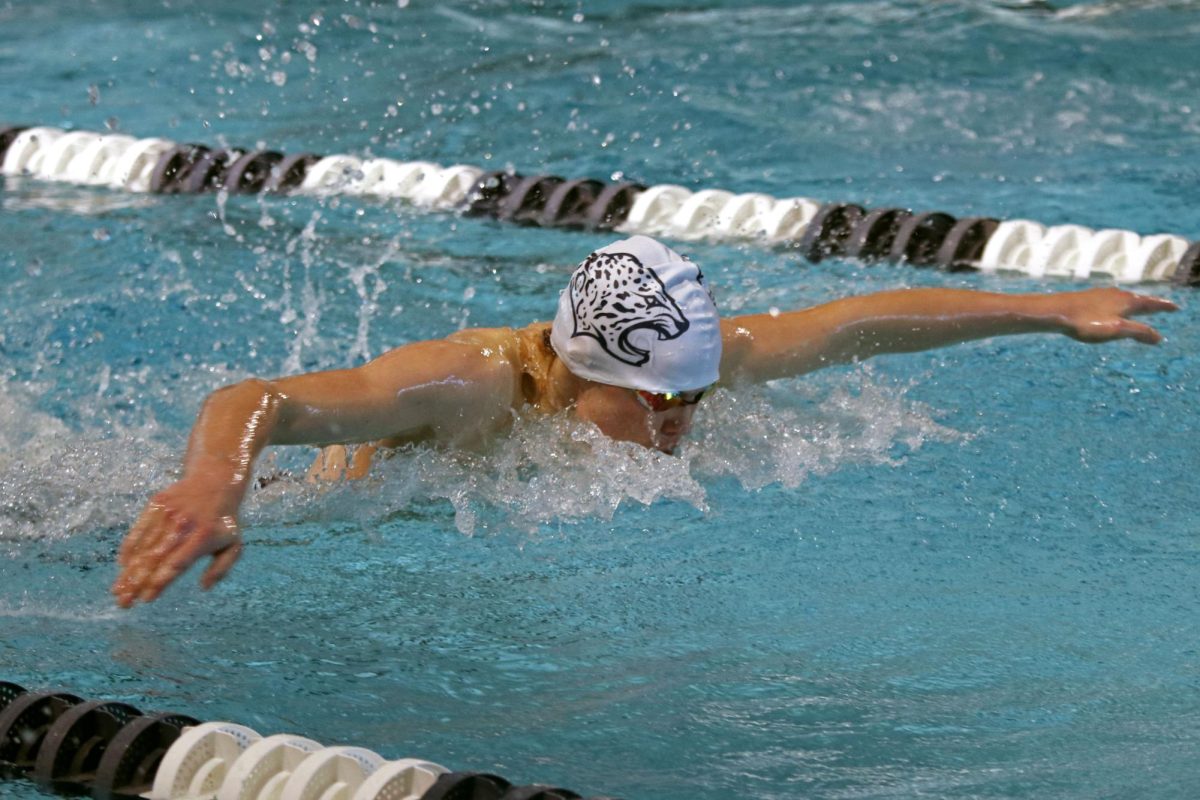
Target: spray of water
549 471
55 483
557 470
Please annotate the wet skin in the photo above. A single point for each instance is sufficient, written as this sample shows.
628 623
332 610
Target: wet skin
621 416
457 392
615 411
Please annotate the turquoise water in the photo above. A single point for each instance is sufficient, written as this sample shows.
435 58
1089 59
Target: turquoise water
969 573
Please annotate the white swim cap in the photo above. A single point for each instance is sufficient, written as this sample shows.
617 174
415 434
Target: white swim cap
637 314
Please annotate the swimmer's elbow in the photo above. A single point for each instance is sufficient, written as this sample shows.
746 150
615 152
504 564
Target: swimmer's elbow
253 402
254 391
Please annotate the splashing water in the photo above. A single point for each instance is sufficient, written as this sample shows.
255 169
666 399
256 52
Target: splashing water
56 483
360 276
791 430
558 470
549 471
32 609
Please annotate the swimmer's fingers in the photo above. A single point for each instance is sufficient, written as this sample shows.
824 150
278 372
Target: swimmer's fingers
221 564
1108 330
128 585
162 577
124 588
170 535
135 556
329 465
186 544
1103 315
1147 304
143 530
1140 332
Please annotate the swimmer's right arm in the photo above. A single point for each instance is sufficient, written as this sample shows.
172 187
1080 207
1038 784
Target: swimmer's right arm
764 347
410 389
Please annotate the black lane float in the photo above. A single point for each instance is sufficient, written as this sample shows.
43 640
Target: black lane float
113 751
816 230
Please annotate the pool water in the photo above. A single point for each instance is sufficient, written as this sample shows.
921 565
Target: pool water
964 573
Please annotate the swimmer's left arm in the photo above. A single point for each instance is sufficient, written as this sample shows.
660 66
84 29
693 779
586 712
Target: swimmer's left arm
763 347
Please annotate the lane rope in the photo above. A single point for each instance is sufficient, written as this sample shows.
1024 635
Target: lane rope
818 230
112 750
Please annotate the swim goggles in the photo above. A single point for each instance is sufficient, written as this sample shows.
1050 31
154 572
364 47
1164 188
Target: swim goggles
664 401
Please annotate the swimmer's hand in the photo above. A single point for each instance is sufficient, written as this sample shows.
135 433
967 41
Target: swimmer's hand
335 462
1102 315
179 526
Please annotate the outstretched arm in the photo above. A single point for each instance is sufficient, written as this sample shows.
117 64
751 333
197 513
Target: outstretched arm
761 347
430 388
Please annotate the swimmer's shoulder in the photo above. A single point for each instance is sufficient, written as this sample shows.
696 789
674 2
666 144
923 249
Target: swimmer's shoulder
502 341
525 350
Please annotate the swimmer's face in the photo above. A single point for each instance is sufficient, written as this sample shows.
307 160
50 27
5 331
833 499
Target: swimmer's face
621 416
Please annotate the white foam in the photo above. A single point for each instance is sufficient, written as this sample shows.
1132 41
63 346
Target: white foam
29 610
556 470
795 429
55 482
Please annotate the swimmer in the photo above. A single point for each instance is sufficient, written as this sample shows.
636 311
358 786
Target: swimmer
633 348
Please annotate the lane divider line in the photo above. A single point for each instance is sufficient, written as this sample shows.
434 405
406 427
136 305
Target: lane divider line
817 230
114 752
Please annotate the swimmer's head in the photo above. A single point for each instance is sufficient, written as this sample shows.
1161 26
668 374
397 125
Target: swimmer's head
636 314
